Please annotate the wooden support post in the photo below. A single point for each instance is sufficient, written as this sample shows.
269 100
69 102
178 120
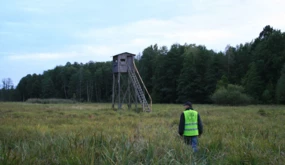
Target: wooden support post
119 91
136 100
113 94
129 93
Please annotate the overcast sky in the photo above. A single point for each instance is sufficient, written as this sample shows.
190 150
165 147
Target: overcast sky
37 35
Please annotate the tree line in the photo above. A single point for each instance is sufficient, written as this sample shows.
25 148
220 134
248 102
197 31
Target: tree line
172 75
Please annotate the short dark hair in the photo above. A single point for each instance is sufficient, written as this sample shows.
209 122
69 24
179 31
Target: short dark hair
188 103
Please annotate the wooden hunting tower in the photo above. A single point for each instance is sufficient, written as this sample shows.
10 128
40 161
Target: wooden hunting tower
126 85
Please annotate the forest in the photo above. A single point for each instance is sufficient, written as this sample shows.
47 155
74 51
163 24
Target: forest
172 75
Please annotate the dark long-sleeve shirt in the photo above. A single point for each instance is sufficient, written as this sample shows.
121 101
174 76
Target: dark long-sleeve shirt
182 124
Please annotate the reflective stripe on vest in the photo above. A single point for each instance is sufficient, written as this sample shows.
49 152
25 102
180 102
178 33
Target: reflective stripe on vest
191 123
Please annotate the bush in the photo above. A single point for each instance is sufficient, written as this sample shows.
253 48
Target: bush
50 101
232 95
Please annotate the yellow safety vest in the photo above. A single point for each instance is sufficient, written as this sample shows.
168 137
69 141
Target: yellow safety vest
191 123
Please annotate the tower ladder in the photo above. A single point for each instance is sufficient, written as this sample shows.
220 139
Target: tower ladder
138 90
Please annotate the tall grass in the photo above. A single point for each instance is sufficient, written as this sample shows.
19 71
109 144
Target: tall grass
95 134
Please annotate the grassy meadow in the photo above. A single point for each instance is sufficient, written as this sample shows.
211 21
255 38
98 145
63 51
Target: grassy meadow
96 134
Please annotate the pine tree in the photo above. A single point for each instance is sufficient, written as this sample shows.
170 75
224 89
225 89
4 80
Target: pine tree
280 88
252 82
48 90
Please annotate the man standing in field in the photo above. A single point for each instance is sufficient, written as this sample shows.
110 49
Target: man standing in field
190 126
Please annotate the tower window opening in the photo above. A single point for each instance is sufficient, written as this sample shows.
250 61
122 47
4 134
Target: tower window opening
123 61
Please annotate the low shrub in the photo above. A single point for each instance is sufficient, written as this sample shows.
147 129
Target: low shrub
231 95
50 101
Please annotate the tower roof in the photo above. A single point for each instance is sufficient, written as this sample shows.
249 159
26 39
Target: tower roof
128 54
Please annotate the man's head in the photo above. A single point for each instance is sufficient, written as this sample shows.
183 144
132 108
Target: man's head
187 105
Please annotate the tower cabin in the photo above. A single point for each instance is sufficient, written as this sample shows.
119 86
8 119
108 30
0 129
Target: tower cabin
123 61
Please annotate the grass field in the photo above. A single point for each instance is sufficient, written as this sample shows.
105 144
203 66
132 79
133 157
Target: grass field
95 134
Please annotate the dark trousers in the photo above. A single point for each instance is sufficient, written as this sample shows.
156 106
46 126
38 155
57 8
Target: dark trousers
193 141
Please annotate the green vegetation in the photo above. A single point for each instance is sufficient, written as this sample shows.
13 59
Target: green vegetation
50 101
174 75
231 95
280 89
95 134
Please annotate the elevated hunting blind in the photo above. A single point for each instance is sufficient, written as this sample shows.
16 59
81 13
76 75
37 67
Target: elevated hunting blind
127 83
122 62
